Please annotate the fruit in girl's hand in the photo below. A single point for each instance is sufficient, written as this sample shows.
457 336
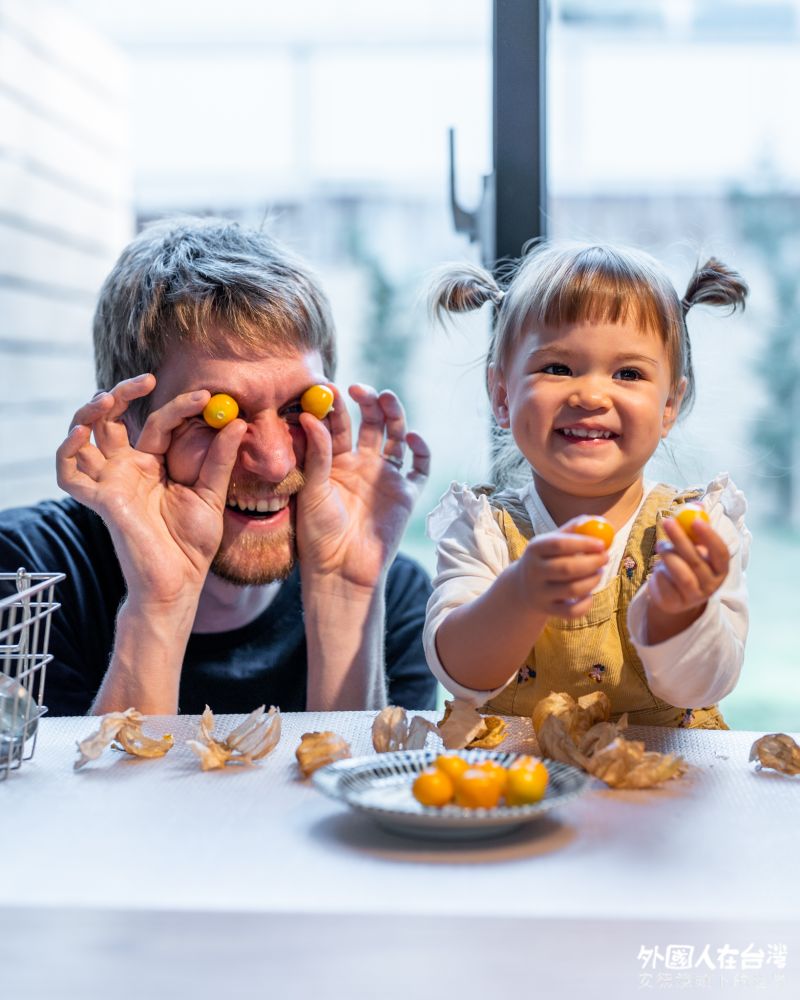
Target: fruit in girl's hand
477 789
595 527
688 515
432 787
220 410
318 401
451 764
526 784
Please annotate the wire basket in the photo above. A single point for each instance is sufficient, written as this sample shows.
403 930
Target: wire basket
24 639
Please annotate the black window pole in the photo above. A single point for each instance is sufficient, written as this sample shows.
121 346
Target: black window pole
519 136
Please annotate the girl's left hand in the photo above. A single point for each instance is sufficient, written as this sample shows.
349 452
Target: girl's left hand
688 572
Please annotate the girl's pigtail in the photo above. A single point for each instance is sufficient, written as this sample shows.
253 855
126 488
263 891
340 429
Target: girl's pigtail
461 288
715 284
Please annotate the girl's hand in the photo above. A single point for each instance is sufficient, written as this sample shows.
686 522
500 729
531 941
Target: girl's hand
560 570
687 574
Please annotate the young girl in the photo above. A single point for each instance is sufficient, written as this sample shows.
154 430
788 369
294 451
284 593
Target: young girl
589 367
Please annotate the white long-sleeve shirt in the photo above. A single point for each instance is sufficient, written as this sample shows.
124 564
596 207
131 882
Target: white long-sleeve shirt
693 669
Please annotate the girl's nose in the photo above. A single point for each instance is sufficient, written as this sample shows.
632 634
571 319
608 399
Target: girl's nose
587 394
268 450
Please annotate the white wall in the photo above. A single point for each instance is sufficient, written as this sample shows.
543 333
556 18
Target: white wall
65 212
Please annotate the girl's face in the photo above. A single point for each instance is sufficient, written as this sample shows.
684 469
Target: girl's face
587 405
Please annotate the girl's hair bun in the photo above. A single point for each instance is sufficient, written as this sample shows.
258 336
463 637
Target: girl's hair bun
715 284
461 288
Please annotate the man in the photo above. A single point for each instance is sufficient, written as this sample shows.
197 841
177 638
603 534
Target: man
231 567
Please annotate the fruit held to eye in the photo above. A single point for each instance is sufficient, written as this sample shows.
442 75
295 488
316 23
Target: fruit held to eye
687 516
596 527
220 410
318 401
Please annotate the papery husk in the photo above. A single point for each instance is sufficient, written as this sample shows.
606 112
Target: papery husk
462 725
391 730
125 729
777 751
626 764
578 717
250 741
581 733
319 749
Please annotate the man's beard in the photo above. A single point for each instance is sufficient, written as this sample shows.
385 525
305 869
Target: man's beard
251 559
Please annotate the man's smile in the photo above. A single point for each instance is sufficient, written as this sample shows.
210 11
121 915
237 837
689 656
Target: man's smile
263 507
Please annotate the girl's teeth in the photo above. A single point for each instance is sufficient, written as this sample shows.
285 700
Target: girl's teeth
582 432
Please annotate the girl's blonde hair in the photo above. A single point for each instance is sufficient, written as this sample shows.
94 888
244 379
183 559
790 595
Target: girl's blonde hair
557 284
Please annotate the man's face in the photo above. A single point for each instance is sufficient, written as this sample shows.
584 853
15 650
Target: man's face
258 525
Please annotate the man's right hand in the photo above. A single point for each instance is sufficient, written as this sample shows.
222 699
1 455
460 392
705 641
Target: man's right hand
165 533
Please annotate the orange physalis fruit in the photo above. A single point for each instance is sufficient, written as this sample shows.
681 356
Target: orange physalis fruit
432 787
220 410
497 772
687 516
595 526
451 764
477 789
526 784
318 401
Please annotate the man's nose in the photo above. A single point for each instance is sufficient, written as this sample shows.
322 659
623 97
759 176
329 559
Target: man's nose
267 450
589 393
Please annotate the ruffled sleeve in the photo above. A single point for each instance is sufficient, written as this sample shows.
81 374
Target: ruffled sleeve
471 552
701 665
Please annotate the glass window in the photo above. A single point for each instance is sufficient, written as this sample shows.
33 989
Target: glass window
668 130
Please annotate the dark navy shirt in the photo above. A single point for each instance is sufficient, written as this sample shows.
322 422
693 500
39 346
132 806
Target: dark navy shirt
262 662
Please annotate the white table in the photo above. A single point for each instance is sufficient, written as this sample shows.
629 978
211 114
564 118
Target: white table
154 874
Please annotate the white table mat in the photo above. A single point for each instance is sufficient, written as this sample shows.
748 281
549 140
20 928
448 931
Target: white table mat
718 844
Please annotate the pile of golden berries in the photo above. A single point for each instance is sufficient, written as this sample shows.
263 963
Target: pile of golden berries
454 780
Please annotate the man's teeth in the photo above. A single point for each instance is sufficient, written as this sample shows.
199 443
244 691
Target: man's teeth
583 432
260 506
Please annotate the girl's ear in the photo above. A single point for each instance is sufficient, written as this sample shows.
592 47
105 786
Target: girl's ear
673 408
498 396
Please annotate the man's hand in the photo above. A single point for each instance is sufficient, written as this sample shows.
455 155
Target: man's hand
355 505
350 518
165 534
686 575
558 572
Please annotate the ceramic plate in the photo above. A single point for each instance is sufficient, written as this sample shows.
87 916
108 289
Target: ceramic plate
380 785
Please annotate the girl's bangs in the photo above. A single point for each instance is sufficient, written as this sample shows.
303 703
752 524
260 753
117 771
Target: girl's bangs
602 292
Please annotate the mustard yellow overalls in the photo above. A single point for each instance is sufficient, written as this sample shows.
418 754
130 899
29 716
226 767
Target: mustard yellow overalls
595 651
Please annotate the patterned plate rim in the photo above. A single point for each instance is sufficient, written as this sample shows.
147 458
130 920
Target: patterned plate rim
329 778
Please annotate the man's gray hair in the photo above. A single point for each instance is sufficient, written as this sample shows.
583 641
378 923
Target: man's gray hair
179 279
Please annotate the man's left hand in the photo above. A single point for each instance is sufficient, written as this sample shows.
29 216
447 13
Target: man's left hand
356 502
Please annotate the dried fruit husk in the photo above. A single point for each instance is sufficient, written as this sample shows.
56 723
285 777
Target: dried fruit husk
391 730
462 725
581 733
251 740
626 764
777 751
578 717
125 730
318 749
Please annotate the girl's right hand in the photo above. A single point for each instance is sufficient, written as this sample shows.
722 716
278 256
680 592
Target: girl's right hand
165 534
559 570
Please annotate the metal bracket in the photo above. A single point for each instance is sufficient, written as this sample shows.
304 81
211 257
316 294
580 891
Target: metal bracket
478 224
